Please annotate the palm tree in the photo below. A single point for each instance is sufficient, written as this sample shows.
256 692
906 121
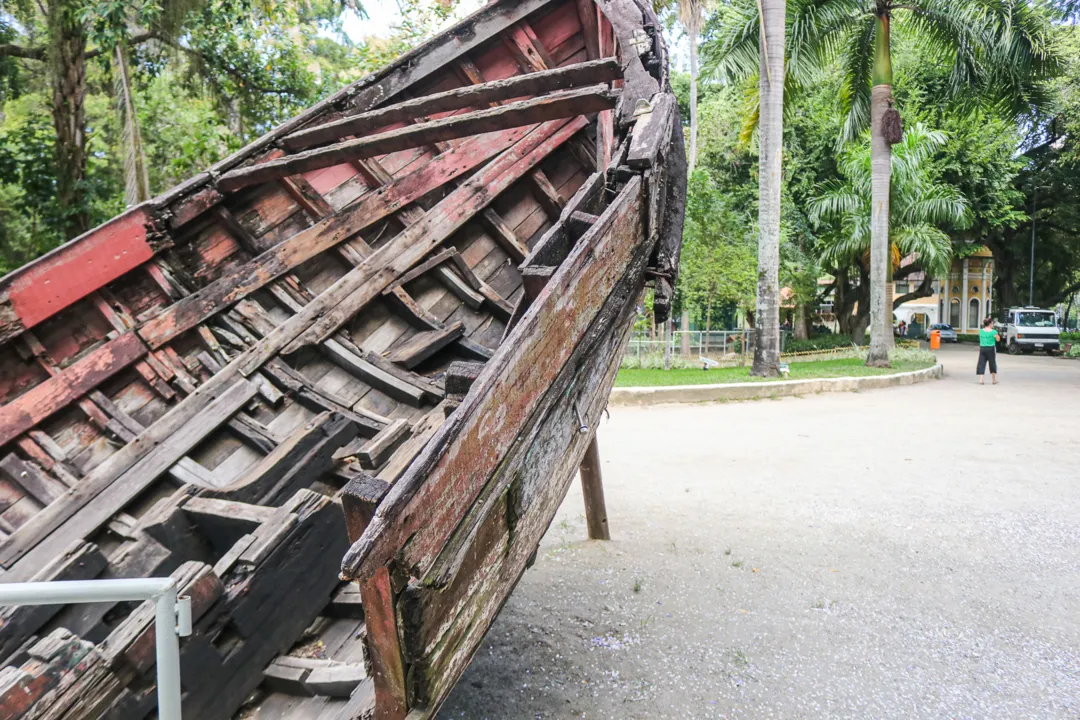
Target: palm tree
770 152
996 48
919 206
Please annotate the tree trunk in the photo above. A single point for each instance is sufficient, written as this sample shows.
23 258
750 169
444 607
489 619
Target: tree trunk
137 179
802 322
880 168
692 36
771 147
67 76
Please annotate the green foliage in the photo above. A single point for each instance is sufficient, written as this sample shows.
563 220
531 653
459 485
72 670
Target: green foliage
920 206
718 263
206 78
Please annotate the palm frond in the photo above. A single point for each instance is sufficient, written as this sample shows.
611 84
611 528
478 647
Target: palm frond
857 58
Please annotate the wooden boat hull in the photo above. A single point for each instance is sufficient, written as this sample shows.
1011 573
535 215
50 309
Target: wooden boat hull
391 323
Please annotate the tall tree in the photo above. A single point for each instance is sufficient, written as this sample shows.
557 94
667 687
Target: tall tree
922 209
998 49
771 150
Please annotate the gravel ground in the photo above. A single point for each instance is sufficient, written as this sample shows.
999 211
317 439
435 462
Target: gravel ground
902 553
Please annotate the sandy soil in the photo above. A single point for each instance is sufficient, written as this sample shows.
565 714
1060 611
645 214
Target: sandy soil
903 553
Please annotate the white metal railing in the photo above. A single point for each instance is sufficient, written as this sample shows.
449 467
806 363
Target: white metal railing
696 342
172 619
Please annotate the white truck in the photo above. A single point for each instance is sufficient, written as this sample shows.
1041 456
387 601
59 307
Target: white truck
1027 329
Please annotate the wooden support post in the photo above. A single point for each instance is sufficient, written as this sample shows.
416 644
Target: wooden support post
592 487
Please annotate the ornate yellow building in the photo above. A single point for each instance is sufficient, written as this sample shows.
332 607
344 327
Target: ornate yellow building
962 300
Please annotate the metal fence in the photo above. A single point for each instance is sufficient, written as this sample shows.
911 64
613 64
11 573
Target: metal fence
697 343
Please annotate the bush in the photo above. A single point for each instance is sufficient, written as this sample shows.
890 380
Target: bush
818 342
967 338
1074 351
1073 337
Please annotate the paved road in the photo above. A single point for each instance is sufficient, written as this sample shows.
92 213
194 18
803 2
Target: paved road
902 553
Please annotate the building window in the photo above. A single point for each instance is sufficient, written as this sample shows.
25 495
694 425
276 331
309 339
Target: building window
954 312
973 313
956 290
974 289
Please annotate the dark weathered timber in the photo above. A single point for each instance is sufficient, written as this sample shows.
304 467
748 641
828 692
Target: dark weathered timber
535 278
526 112
592 488
472 96
421 346
377 450
444 609
81 561
667 213
652 132
460 377
359 498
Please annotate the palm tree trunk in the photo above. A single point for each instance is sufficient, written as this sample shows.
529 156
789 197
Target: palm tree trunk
771 147
67 76
880 171
692 35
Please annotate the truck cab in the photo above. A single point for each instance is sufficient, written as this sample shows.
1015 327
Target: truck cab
1027 329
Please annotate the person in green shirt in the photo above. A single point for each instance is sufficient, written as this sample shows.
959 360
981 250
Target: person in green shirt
988 340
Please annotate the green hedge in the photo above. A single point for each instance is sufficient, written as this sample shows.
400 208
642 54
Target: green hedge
1073 337
967 338
819 342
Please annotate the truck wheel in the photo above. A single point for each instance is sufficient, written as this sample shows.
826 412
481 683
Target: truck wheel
1013 348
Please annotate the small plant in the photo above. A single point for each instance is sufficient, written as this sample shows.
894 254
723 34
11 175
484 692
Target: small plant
737 564
637 586
728 551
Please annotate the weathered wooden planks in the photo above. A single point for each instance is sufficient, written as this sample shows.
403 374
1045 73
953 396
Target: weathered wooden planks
94 500
472 96
441 486
364 282
526 112
71 383
64 276
366 211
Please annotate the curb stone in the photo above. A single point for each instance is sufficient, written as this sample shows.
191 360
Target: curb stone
628 396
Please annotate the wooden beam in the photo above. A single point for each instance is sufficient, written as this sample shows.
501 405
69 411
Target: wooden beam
587 10
546 194
472 96
423 345
384 649
280 259
434 261
58 279
535 278
372 375
564 104
67 386
460 377
359 498
526 48
652 132
362 284
504 235
377 450
592 488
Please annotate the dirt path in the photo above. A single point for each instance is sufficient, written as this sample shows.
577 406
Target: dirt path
904 553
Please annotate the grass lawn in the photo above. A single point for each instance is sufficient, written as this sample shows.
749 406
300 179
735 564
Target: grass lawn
840 367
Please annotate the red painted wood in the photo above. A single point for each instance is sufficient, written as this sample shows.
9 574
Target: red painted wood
67 386
327 179
75 270
557 27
